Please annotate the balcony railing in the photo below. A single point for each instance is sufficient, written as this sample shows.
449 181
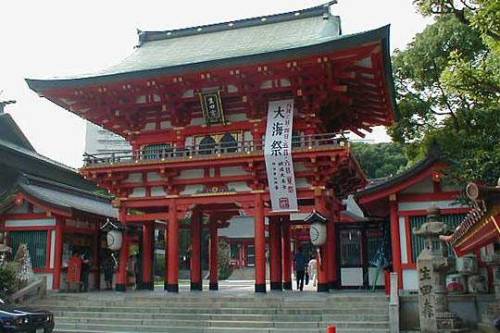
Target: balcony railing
206 150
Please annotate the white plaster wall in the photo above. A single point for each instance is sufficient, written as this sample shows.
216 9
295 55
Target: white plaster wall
165 124
423 205
192 189
410 279
138 192
157 191
133 178
49 277
233 171
52 248
302 183
191 174
150 127
402 240
247 136
351 277
238 186
30 223
236 117
154 176
299 167
197 121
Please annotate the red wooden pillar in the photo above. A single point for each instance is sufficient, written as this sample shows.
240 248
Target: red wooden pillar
147 255
286 254
275 257
196 226
165 278
173 249
56 282
214 250
260 245
322 267
122 277
395 240
331 247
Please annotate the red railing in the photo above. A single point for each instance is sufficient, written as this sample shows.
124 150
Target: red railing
166 152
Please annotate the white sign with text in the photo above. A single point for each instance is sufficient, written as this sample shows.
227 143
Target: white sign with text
278 156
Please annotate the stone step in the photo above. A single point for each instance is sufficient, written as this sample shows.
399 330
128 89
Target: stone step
104 328
224 330
223 303
219 323
226 316
267 310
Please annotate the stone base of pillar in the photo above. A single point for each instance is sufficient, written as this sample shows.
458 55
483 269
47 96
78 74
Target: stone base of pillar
146 286
323 287
196 286
333 285
213 286
173 288
287 285
276 286
120 287
260 288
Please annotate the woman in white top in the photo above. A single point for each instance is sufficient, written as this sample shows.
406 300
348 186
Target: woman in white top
312 269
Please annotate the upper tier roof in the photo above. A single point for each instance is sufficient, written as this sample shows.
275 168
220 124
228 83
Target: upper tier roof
175 51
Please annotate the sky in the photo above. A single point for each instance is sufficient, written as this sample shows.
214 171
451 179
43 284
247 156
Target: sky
40 39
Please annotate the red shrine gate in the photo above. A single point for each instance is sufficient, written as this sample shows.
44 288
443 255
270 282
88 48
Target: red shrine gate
193 105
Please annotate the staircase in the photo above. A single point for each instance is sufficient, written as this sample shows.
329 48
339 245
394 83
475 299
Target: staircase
217 313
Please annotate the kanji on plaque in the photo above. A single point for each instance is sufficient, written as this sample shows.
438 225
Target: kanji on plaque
278 156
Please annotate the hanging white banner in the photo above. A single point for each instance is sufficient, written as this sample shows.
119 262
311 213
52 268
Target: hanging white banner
278 156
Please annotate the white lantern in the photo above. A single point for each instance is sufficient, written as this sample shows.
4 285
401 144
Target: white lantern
114 239
317 232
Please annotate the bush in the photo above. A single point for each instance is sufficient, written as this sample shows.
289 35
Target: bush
8 279
224 260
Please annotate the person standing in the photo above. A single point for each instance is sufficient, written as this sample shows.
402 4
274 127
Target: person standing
85 271
312 269
300 265
108 267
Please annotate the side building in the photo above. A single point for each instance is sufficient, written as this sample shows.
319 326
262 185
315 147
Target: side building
49 207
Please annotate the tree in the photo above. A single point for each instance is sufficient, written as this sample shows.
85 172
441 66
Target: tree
448 87
381 159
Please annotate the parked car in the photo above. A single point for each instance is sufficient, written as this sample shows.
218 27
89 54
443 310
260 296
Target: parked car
22 319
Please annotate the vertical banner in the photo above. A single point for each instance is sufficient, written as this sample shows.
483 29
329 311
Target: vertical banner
278 156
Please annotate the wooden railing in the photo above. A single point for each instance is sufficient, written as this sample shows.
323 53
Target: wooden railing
204 150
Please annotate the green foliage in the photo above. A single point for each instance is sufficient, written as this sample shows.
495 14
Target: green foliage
448 85
380 159
224 260
8 279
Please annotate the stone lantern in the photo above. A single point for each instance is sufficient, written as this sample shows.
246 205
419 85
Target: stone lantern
432 265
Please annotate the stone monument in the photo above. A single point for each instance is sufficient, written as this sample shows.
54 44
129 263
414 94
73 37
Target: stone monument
432 265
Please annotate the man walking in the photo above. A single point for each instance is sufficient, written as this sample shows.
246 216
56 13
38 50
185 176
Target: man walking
300 266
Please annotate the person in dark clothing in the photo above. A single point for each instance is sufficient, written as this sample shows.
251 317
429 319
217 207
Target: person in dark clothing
300 266
109 268
85 272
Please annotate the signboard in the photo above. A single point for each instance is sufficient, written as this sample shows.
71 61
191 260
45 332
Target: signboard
278 156
211 105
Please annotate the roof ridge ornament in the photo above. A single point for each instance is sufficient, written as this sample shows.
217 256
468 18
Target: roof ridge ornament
4 103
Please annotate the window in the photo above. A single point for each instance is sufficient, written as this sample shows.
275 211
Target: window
37 245
207 145
157 151
418 243
228 143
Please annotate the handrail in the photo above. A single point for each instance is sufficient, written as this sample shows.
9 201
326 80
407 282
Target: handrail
394 304
37 289
204 150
